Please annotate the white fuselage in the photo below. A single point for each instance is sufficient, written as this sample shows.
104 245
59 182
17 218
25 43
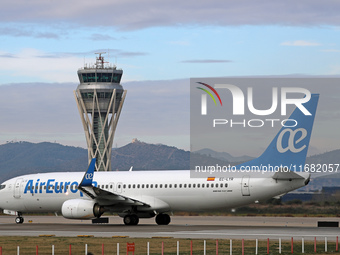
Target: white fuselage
164 191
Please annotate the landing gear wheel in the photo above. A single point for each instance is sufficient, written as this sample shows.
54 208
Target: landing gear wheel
19 220
163 219
131 219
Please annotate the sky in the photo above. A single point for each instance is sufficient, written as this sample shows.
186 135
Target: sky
159 45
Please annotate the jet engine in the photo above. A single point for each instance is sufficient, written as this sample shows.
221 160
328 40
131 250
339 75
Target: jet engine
81 209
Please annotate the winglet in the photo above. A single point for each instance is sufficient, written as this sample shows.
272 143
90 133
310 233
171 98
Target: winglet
88 176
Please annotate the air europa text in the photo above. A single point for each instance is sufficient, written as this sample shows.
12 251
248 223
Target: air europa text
51 186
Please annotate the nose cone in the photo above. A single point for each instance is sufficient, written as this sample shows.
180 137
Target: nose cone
2 195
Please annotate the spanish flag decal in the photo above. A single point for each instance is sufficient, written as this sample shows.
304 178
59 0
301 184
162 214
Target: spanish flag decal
211 179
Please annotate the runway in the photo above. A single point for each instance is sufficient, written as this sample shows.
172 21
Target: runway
202 227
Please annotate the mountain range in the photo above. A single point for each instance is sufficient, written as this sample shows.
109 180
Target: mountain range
18 158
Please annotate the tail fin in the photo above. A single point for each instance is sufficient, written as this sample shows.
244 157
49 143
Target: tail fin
289 147
88 176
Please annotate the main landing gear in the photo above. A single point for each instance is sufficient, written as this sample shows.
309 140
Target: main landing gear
19 219
163 219
131 219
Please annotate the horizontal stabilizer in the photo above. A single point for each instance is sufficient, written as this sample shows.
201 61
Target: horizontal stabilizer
284 175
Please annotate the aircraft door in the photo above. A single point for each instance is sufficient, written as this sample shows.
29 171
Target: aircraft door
245 186
17 188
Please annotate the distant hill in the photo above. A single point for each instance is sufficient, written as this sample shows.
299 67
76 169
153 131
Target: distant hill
18 158
223 155
330 157
24 157
143 156
320 180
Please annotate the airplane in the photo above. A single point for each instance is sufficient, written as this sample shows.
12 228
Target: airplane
146 194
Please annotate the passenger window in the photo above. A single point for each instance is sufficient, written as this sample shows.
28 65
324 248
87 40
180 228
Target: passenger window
194 185
207 185
129 186
189 186
185 185
138 186
170 185
124 186
198 185
226 185
216 185
110 186
160 186
134 186
147 186
119 186
175 185
156 185
180 185
221 185
203 185
107 186
142 186
165 185
151 186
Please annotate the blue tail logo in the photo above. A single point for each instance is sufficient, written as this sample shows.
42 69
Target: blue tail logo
88 176
290 145
291 140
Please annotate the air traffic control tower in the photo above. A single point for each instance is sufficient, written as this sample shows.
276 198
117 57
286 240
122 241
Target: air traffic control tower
100 99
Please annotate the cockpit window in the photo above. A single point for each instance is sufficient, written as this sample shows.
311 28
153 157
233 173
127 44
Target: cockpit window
2 186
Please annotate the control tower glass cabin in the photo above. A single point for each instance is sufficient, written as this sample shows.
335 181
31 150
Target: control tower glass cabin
100 98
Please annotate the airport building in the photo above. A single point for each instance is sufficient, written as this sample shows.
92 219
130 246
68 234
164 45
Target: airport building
100 98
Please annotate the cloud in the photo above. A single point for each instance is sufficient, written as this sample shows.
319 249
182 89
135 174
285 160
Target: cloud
26 32
300 43
101 37
116 52
37 65
206 61
47 112
7 55
154 111
137 14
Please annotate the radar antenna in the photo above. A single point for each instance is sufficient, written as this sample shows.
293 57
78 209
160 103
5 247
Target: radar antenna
100 60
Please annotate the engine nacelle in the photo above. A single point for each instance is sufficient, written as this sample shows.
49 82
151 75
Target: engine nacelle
81 209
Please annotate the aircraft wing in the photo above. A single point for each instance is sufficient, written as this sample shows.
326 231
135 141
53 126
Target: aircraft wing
105 196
